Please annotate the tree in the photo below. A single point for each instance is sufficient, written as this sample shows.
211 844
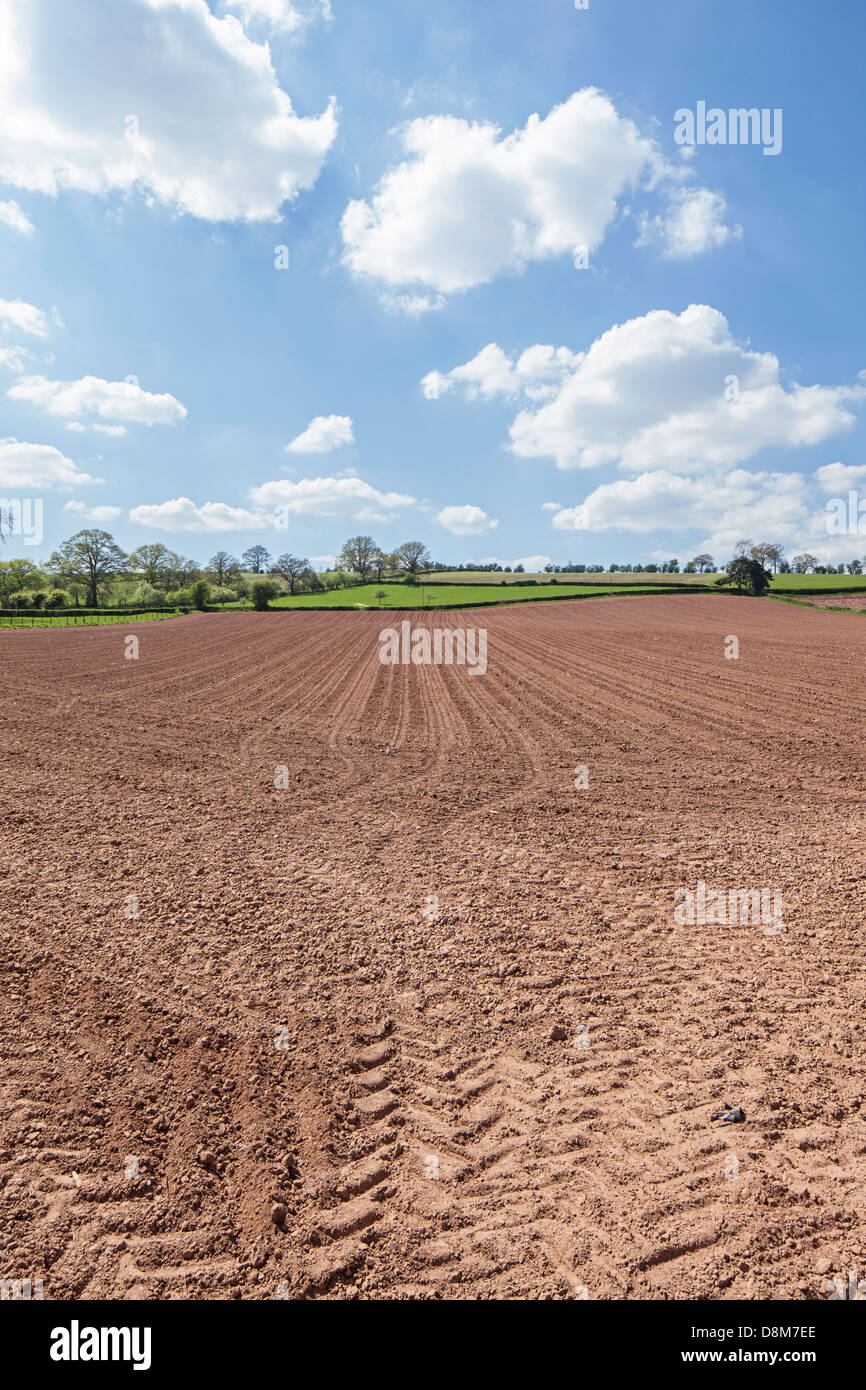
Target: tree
222 566
381 563
263 590
358 554
748 576
291 569
775 554
152 562
413 556
703 563
741 549
380 594
200 593
256 558
803 564
19 574
91 558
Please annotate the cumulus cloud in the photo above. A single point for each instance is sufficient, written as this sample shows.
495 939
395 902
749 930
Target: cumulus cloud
100 515
467 204
158 95
839 477
12 216
533 564
279 16
107 400
665 391
693 222
738 504
16 313
180 514
466 520
323 433
336 497
536 373
38 466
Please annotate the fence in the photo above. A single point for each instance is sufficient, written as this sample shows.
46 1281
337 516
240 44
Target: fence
49 619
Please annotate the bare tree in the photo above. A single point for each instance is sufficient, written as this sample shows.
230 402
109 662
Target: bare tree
256 558
222 565
413 556
291 569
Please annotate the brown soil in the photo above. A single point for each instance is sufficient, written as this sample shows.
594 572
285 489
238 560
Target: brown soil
415 1131
857 602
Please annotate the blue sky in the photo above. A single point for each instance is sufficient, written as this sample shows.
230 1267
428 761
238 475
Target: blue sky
498 401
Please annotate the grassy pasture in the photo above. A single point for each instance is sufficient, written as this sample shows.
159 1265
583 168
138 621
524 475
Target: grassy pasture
447 595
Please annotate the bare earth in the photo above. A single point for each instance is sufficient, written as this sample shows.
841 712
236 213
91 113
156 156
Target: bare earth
289 1024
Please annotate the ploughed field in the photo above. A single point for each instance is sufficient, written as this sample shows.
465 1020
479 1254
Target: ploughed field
419 1021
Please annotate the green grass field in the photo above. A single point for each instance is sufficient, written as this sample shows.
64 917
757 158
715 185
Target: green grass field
599 580
80 619
826 583
446 595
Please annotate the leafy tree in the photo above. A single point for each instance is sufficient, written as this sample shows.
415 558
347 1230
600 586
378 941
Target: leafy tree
19 574
291 569
703 563
222 566
358 554
263 591
413 556
804 564
199 594
380 594
747 575
91 558
256 558
152 562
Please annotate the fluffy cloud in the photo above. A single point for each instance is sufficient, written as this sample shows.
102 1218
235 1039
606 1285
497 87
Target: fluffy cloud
739 504
839 477
25 317
99 515
107 400
160 95
665 391
38 466
467 205
181 514
323 433
12 216
536 374
533 564
335 497
466 521
694 222
280 16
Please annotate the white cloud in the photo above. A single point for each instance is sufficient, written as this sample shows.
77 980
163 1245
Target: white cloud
536 374
97 514
533 564
551 506
181 514
38 466
158 95
25 317
663 391
108 400
280 16
335 497
323 433
13 358
12 216
323 562
467 205
694 222
413 305
466 520
839 477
